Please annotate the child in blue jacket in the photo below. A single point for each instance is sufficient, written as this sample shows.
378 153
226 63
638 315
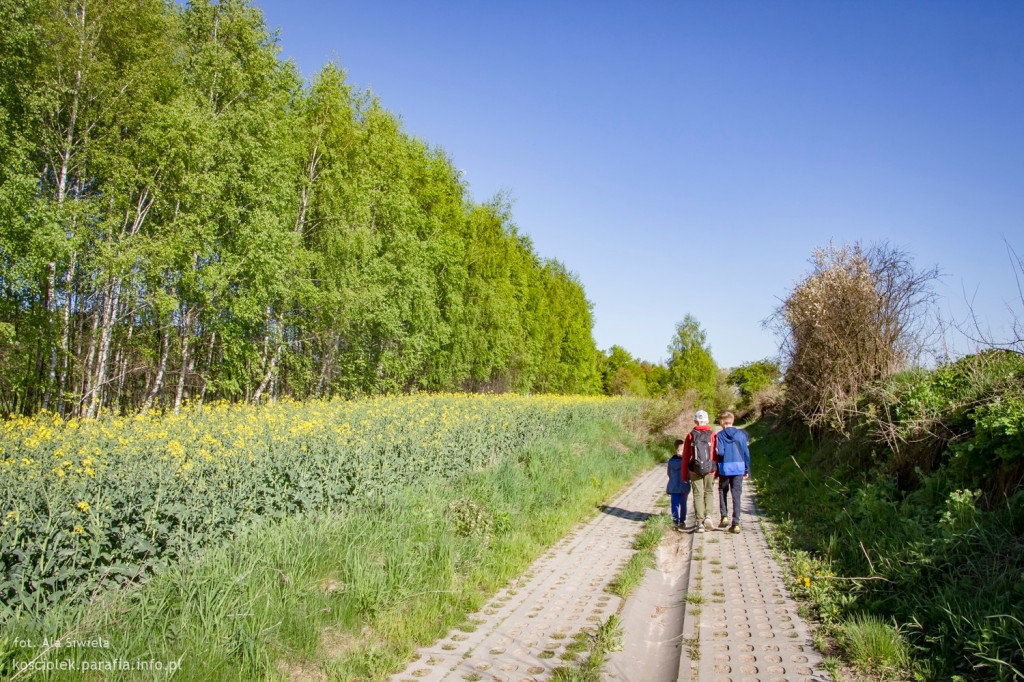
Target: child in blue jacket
678 486
733 456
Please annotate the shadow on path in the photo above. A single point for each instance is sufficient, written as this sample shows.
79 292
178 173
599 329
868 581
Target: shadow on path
625 513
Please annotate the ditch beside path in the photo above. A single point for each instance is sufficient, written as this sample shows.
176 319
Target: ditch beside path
743 628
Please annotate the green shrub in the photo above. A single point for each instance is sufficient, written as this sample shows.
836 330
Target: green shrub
970 412
752 377
947 568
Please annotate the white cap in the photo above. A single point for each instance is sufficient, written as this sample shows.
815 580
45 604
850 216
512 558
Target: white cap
701 417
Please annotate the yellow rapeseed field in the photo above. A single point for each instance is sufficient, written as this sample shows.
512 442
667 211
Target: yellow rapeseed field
86 503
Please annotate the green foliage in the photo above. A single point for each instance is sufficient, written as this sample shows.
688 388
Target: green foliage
876 646
188 220
469 517
999 428
752 377
967 416
727 395
690 364
657 378
607 639
935 560
622 374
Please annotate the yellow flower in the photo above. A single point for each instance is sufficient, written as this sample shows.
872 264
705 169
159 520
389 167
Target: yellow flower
807 582
79 529
83 507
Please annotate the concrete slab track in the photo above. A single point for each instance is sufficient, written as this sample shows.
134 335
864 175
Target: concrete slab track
744 625
743 628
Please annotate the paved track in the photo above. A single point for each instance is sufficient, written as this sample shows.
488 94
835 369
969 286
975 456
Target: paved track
746 629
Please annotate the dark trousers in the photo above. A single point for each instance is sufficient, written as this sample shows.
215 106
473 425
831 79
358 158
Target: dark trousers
730 486
679 507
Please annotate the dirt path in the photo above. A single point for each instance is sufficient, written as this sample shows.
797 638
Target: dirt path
739 623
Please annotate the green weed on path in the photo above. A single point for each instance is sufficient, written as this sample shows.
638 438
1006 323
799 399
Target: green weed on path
590 649
594 647
347 594
645 544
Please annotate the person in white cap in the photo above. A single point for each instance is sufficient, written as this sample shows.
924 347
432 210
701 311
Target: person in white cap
699 456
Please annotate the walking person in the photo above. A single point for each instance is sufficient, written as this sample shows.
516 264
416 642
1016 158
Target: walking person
678 486
733 458
698 454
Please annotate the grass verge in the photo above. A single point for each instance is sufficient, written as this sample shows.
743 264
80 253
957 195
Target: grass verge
926 571
645 544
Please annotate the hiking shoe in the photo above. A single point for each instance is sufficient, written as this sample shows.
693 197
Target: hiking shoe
700 529
725 522
735 528
708 524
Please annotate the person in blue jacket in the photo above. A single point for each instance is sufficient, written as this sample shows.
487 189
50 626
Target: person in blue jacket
733 456
678 486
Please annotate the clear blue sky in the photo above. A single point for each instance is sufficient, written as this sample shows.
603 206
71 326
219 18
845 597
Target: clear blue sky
687 157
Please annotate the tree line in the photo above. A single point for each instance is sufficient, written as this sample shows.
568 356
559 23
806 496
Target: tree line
691 376
183 217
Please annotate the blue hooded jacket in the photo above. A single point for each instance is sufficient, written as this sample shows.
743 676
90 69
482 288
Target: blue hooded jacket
677 485
733 452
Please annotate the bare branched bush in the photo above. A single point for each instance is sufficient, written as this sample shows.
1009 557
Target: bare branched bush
766 400
974 330
859 316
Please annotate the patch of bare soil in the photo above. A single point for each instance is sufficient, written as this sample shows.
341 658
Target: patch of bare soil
301 672
334 644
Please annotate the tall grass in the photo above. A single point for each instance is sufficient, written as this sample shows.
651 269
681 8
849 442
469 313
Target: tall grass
947 571
91 504
347 594
877 646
